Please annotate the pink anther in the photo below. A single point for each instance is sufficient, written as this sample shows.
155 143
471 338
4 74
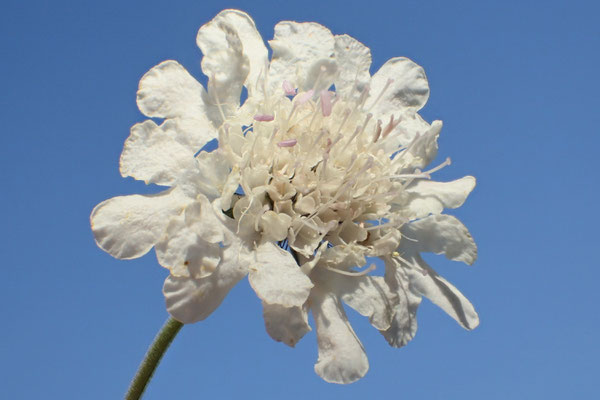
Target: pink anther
288 88
287 143
264 117
326 103
304 97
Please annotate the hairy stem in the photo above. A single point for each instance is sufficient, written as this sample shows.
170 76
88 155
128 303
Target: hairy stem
152 358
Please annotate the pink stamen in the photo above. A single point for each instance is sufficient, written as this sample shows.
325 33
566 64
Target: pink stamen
287 143
288 88
391 125
264 117
326 103
304 97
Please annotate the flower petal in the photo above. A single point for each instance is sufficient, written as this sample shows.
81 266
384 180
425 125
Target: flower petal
403 84
224 62
342 358
169 91
276 277
190 245
354 60
441 234
370 296
427 282
409 125
153 154
403 326
128 226
299 51
429 197
422 151
213 170
212 37
287 325
191 300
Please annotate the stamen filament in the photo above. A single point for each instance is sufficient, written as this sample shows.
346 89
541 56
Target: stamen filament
352 273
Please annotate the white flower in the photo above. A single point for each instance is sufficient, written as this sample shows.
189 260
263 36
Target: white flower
328 166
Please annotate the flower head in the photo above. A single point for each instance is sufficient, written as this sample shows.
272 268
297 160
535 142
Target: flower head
321 167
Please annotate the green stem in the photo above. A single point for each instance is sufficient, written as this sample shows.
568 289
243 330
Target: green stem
152 358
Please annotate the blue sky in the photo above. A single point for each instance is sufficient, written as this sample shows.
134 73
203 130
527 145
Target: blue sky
516 85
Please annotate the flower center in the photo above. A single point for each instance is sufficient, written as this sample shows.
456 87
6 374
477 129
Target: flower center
316 167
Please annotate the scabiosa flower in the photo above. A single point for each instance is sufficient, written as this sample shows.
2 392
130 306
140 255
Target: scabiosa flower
322 167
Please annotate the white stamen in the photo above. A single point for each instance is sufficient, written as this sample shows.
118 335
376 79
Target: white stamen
352 273
216 97
387 85
442 165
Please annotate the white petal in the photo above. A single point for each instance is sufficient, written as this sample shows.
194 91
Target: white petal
185 254
153 154
404 323
275 226
190 245
305 236
208 223
429 197
383 241
213 172
297 49
287 325
411 124
191 300
342 358
354 60
422 151
128 226
344 256
407 88
225 64
212 37
427 282
370 296
441 234
276 277
169 91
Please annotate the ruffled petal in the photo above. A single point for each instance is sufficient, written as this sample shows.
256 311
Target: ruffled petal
153 154
403 84
191 300
190 246
429 197
287 325
212 37
354 60
224 62
277 279
342 358
169 91
403 326
422 149
370 296
424 280
409 132
440 234
128 226
299 52
213 172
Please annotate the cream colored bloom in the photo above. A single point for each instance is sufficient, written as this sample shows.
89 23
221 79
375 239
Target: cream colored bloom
322 166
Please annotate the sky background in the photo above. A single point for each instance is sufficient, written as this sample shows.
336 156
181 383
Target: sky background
516 84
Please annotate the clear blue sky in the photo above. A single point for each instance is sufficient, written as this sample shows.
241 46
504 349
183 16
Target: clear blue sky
516 84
